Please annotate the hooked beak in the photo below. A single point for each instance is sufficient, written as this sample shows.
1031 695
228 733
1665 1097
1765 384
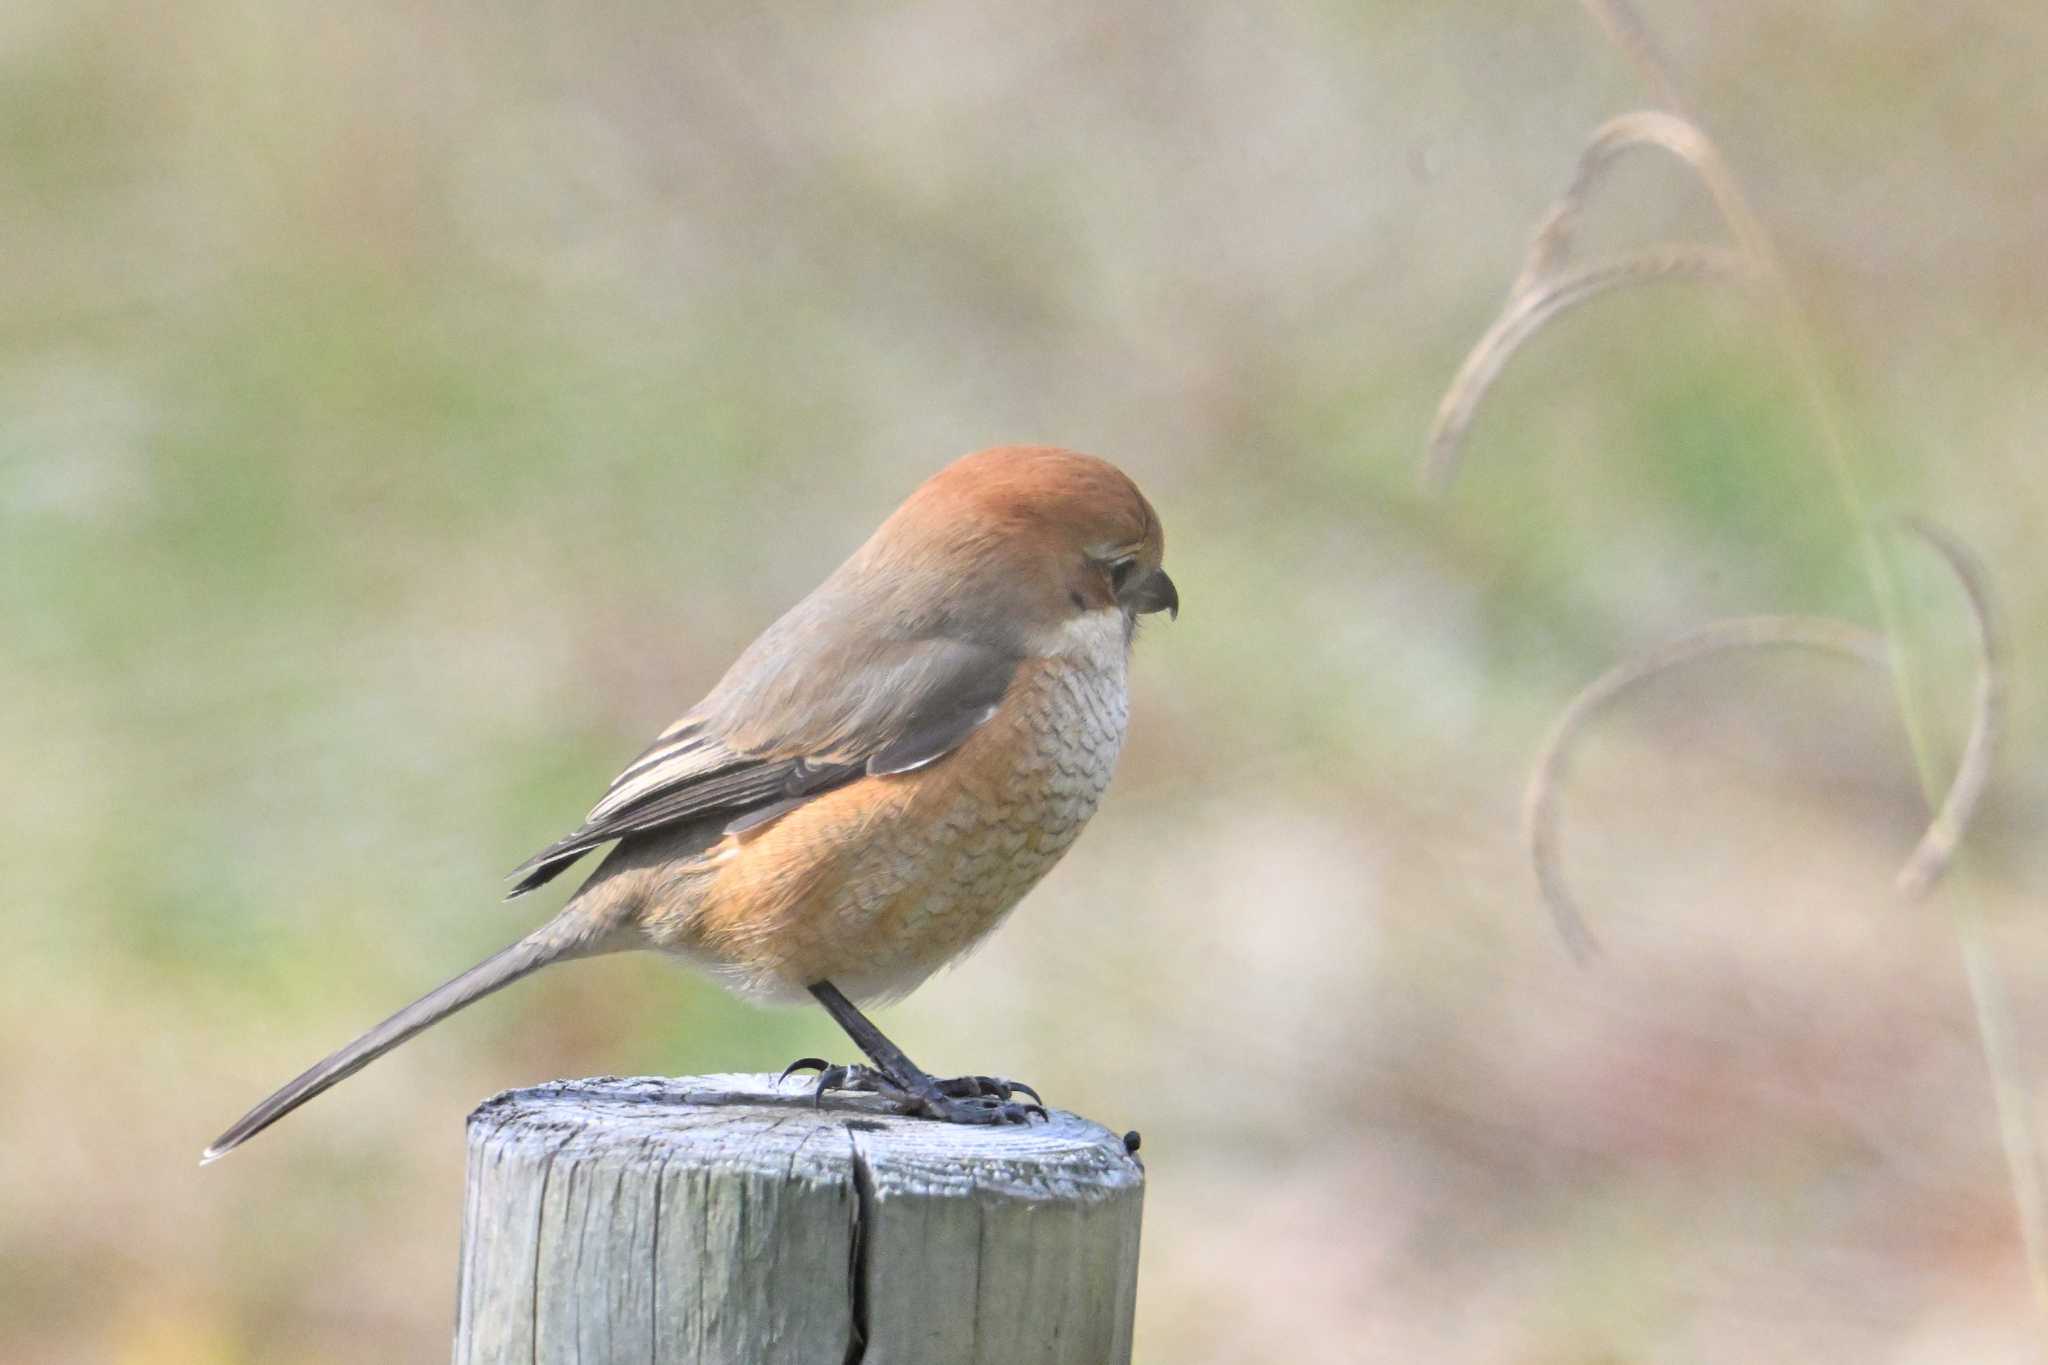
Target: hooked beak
1155 592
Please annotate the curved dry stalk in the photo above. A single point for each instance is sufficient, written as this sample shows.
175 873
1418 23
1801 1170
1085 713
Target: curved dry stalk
1540 801
1937 846
1544 290
1550 245
2012 1097
1673 129
1529 311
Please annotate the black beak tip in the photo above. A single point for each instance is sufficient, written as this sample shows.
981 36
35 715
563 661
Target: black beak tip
1154 592
1166 595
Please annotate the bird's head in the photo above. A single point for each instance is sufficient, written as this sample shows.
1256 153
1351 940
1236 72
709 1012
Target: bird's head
1020 542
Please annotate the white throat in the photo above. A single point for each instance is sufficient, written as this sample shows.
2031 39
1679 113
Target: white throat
1097 640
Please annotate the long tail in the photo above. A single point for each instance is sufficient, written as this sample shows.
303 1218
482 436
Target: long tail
570 934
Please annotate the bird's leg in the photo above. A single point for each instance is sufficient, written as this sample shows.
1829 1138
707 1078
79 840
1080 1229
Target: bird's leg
962 1099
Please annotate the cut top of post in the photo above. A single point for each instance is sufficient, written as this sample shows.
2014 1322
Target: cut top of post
717 1218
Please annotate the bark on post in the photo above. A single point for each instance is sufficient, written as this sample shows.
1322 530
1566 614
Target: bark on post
714 1219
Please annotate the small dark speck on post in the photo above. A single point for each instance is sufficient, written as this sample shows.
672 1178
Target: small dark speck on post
716 1219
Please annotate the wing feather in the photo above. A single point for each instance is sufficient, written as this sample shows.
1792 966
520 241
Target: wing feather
890 707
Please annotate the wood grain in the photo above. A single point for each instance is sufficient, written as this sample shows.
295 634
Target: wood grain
718 1219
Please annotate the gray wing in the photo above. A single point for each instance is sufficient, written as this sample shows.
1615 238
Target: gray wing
891 707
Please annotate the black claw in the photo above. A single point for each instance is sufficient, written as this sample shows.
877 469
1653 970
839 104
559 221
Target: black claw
981 1100
830 1078
960 1099
989 1110
970 1087
818 1064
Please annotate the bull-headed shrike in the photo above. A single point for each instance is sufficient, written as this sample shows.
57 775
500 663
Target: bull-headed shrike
875 782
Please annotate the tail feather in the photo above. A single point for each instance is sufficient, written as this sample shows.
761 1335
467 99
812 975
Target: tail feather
551 942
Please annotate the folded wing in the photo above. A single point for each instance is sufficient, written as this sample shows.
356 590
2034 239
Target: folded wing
787 724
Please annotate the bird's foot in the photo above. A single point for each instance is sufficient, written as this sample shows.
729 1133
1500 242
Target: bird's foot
958 1099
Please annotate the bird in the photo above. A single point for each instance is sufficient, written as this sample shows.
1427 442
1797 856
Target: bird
873 785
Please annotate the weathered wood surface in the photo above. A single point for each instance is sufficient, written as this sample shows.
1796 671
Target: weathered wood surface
714 1219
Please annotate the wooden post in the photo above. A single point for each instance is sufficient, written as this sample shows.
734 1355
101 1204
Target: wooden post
715 1219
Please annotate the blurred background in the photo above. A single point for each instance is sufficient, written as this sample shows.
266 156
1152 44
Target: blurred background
404 414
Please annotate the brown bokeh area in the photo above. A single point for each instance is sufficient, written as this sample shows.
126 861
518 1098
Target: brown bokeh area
405 413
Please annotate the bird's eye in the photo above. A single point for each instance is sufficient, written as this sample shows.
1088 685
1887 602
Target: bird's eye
1121 570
